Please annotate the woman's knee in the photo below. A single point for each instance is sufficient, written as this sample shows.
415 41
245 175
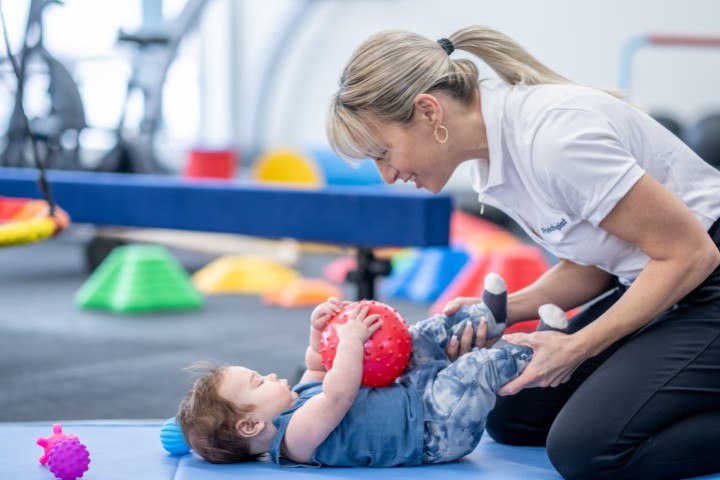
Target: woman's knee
580 449
515 422
567 456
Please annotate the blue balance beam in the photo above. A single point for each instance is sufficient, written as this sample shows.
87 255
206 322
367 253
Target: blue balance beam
363 217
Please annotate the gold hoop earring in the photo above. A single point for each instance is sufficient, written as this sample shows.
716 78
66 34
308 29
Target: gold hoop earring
438 139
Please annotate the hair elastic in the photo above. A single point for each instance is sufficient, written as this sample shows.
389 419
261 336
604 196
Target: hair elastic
446 45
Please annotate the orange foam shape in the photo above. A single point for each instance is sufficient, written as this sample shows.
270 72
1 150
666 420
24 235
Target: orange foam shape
302 292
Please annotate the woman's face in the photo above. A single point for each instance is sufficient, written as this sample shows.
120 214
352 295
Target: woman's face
413 152
413 155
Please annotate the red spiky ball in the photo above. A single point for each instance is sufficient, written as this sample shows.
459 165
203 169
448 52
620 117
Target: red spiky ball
387 352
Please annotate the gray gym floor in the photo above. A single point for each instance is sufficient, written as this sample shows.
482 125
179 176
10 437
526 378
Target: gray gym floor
61 363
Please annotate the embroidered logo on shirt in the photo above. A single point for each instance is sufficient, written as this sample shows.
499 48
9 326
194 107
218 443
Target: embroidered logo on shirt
554 228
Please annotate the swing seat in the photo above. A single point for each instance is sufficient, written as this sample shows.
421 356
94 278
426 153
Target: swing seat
24 220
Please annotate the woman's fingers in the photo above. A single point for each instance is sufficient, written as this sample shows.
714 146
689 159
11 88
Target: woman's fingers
454 305
466 339
452 349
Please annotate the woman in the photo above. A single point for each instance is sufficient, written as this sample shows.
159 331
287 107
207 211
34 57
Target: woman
629 210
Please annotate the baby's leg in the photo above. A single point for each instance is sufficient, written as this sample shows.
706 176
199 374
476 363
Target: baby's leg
430 337
457 402
492 310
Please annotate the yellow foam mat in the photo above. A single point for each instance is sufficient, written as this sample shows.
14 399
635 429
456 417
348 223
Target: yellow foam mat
242 274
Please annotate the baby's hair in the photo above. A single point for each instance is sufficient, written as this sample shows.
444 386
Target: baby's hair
208 420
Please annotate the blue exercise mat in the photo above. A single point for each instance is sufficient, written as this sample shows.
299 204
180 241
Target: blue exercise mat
132 450
125 451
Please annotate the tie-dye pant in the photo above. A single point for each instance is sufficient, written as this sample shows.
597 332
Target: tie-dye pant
458 396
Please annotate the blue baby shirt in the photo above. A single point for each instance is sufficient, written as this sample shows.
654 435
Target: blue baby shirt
384 428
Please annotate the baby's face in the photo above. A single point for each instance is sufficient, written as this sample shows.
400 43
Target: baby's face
270 395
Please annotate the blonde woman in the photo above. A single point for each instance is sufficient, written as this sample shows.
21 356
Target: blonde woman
629 210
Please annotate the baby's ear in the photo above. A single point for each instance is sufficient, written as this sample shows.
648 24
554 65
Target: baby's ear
248 428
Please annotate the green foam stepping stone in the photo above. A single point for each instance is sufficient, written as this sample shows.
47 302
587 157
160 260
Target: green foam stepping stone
138 279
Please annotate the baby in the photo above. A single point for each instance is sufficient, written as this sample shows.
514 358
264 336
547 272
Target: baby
434 412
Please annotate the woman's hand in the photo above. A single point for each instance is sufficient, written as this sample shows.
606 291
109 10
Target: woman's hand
555 357
459 347
454 305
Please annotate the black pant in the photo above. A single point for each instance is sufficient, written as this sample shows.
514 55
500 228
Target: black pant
647 407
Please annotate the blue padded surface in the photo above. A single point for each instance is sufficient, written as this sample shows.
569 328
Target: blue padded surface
117 451
361 216
490 461
123 451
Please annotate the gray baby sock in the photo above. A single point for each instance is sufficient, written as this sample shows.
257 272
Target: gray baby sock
492 309
552 317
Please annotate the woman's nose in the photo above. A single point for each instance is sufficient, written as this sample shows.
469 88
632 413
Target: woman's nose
387 172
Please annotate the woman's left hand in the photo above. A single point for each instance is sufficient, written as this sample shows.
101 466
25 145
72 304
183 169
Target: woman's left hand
456 348
555 357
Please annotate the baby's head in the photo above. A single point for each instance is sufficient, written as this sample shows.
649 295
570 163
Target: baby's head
227 415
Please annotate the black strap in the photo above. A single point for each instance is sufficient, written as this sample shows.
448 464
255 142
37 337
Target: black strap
42 177
714 232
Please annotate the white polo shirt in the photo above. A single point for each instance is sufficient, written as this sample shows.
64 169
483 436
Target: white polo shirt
561 157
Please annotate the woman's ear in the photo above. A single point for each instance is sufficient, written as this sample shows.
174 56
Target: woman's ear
428 109
249 428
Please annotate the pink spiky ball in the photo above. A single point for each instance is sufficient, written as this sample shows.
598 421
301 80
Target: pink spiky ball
69 459
387 352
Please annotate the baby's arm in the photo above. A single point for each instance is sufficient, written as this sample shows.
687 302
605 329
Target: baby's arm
315 370
311 424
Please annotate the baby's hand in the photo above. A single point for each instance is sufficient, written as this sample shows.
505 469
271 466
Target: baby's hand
360 325
325 311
